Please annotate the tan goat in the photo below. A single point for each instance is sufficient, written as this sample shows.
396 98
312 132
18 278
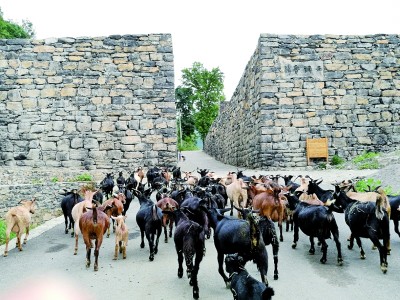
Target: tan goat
121 236
18 220
237 193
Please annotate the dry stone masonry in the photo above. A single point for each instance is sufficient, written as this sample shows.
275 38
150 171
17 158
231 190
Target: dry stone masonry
91 103
346 88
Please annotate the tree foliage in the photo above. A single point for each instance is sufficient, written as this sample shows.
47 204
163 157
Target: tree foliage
203 90
11 30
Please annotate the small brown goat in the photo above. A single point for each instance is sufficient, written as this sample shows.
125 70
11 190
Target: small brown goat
117 207
18 219
77 211
167 204
121 236
93 225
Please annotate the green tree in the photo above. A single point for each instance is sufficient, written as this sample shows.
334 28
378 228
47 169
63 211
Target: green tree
205 89
11 30
184 105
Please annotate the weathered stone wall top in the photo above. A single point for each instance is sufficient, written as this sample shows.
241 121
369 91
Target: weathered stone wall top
91 102
346 88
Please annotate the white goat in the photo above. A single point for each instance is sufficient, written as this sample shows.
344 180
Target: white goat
18 219
121 236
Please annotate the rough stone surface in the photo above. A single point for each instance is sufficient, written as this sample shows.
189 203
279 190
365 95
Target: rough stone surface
340 87
69 98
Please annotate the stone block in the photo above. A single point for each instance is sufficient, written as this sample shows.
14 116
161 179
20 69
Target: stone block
129 140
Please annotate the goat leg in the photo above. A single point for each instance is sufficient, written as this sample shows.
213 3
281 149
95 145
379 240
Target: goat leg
116 252
96 257
88 253
26 235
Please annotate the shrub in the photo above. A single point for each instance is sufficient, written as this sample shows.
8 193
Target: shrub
336 160
54 179
83 177
188 143
367 160
370 184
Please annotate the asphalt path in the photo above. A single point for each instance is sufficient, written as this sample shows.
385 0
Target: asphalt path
47 268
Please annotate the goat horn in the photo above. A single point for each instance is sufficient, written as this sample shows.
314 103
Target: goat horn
239 209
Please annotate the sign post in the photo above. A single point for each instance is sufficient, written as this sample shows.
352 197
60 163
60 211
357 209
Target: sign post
317 148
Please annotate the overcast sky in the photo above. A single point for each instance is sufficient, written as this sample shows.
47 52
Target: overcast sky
216 33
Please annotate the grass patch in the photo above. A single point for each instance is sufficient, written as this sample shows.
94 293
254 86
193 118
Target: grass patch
336 160
370 184
3 228
367 160
81 177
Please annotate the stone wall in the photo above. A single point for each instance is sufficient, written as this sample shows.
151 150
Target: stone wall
346 88
94 103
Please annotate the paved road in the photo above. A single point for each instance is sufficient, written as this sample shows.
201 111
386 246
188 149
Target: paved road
47 264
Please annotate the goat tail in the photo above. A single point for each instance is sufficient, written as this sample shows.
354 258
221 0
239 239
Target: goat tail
94 210
154 213
379 204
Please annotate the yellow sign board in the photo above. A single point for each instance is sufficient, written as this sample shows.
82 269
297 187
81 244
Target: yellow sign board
317 148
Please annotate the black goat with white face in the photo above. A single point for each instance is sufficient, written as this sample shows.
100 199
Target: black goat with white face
243 286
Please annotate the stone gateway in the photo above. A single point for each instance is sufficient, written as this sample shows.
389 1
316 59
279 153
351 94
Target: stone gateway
345 88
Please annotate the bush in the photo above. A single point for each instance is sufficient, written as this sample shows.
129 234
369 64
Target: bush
83 177
336 160
189 143
370 184
367 160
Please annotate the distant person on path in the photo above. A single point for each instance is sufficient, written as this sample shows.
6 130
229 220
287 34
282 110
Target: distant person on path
183 158
179 155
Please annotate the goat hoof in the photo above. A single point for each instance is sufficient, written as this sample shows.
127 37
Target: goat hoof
66 231
166 241
323 260
155 251
349 247
180 273
340 261
195 294
96 268
151 257
311 251
362 256
294 245
275 276
141 245
5 254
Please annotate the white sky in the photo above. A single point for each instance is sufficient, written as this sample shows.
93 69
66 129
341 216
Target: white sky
216 33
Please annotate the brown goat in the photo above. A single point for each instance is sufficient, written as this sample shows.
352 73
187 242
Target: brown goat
272 204
77 211
18 219
121 236
117 207
167 204
93 225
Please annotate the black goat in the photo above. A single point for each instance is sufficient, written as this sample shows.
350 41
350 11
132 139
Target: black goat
195 211
176 172
243 286
366 220
148 218
151 174
120 181
314 188
67 203
290 183
189 244
268 233
128 199
233 235
316 221
107 185
395 213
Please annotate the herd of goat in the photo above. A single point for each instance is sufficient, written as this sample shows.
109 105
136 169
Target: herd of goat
195 205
